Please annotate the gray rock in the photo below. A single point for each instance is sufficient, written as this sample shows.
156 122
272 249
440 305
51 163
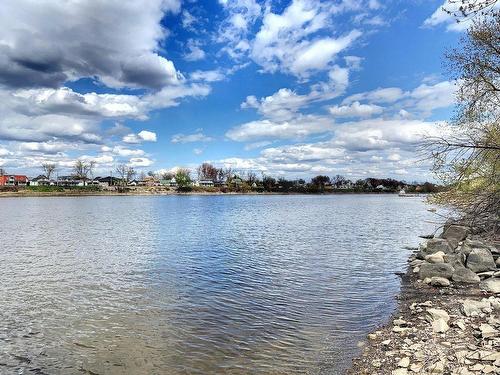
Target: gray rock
435 270
433 246
480 259
474 308
438 244
455 260
465 275
435 314
468 245
455 233
491 285
435 258
439 281
498 262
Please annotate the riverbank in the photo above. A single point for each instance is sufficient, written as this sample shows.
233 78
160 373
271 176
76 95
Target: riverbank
159 192
448 319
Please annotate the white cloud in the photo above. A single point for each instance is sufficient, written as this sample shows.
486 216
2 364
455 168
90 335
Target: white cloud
299 127
394 157
254 145
355 109
423 99
284 104
125 152
190 138
356 149
140 162
380 95
288 42
142 136
113 41
188 20
430 97
207 75
440 16
4 152
194 52
381 134
241 14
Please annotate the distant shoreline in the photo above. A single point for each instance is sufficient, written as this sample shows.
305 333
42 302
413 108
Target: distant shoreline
34 194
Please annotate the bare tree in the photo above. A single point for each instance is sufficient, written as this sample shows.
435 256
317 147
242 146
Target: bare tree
251 177
467 153
48 169
465 9
167 175
82 170
126 173
338 180
207 171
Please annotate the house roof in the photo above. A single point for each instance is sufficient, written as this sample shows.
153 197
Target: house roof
16 177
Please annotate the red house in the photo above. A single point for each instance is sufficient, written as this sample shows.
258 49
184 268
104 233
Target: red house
13 180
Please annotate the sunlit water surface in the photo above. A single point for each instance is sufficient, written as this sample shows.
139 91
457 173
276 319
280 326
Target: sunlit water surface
198 284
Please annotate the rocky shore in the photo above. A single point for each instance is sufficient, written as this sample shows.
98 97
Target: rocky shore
448 321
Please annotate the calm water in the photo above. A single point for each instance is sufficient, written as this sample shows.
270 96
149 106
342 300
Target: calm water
198 284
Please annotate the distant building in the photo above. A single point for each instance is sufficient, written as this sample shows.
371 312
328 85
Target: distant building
69 181
169 182
13 180
134 183
41 180
204 183
106 182
151 181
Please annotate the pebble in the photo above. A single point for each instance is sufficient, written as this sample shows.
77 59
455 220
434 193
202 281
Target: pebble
404 362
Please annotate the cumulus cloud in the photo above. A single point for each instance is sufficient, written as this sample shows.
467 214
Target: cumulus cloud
207 75
440 16
190 138
194 51
284 104
299 127
234 31
142 136
113 41
140 162
423 99
355 109
18 127
289 42
380 134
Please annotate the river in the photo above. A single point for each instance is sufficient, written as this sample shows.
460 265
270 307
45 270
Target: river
198 284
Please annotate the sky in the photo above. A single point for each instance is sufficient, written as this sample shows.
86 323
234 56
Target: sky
285 88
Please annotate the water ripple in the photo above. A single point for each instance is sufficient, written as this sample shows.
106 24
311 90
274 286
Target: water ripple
198 285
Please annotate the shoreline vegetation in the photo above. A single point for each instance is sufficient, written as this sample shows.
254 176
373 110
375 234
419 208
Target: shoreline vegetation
49 191
210 180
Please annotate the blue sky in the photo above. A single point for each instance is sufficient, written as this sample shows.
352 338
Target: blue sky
288 88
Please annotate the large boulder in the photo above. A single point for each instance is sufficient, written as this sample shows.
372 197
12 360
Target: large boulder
433 246
455 260
480 260
455 233
465 275
470 245
435 258
429 270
